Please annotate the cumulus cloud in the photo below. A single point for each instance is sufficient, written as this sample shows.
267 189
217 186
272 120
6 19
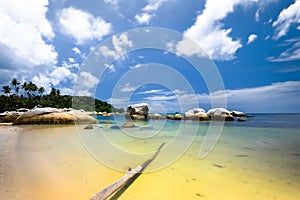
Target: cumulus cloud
85 84
286 18
82 26
56 76
76 50
143 18
120 44
25 35
209 33
251 38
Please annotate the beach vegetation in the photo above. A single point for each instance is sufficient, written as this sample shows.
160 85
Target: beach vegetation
29 95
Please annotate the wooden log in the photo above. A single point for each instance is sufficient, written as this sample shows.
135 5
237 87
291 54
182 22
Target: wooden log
108 191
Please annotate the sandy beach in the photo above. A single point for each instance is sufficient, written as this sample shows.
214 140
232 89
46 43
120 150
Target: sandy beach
8 180
50 162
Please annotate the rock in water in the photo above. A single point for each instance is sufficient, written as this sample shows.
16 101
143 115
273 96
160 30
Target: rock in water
177 116
237 113
128 125
220 114
156 116
137 112
196 114
242 119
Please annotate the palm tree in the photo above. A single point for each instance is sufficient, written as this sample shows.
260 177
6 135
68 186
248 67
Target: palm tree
15 83
41 90
6 89
25 87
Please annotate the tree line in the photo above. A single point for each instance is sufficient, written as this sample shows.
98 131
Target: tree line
29 95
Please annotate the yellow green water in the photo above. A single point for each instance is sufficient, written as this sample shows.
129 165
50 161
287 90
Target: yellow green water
247 163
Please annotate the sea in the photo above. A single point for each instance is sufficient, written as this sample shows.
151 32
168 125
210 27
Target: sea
255 159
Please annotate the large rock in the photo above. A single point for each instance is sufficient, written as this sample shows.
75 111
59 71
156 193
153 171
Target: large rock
8 117
221 114
237 113
137 111
196 114
54 116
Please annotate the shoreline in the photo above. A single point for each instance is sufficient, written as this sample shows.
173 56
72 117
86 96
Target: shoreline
8 177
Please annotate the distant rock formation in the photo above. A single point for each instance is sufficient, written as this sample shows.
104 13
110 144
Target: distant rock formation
237 113
54 116
156 116
220 114
196 114
137 112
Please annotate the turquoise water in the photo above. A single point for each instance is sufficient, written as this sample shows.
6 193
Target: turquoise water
256 159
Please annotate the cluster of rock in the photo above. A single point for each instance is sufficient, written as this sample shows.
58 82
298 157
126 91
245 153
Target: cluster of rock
137 112
141 112
48 116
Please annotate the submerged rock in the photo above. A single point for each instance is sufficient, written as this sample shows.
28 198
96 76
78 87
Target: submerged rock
241 119
220 114
137 111
128 125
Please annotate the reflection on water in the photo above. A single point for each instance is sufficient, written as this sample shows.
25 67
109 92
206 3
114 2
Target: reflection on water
248 162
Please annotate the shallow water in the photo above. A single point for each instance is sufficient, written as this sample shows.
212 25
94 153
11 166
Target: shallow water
257 159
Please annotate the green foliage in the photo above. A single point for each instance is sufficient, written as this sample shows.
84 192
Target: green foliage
33 95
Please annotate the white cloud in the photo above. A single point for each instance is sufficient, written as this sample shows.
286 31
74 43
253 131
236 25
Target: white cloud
82 26
76 50
120 44
113 2
286 18
56 76
282 97
85 83
110 67
71 60
148 12
60 75
251 38
151 92
160 98
128 88
153 5
290 54
136 66
209 33
24 35
143 18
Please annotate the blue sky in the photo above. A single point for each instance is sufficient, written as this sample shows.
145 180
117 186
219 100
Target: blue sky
253 46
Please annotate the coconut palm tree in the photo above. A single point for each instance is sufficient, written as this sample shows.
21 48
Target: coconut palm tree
6 89
15 83
41 90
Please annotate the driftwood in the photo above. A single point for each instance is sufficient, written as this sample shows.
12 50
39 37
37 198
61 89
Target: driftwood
126 179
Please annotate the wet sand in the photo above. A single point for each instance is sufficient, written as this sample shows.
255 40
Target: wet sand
51 163
8 180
